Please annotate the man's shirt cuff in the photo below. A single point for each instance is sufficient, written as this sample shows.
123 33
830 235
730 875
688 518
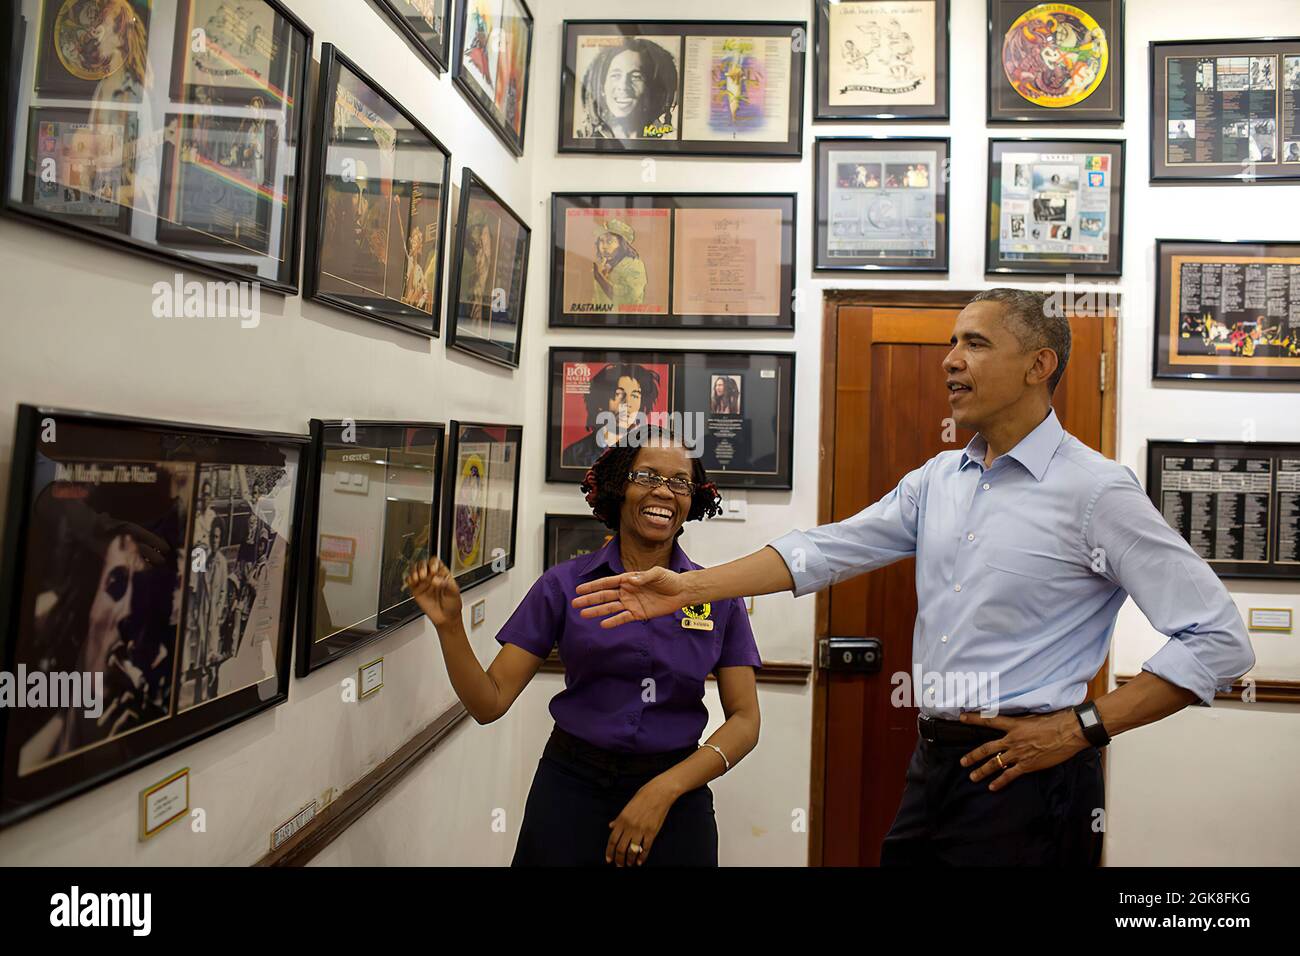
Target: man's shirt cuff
1178 665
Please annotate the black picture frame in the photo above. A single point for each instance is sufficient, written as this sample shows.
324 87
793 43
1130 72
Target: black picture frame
573 442
275 272
473 91
375 304
825 148
631 31
39 115
1103 106
1230 168
484 347
1282 546
137 444
477 570
427 42
579 529
649 207
1113 223
314 651
1171 322
825 111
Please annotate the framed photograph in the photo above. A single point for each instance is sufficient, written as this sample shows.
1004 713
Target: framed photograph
881 60
673 260
698 87
1056 62
1228 310
1056 207
572 536
481 510
489 263
379 203
188 154
737 407
158 560
1225 110
1236 503
372 513
493 53
426 23
882 204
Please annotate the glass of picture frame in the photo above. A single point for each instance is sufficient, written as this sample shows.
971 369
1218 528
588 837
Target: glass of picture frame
882 204
481 502
122 129
1056 62
1055 207
698 87
881 60
159 557
1225 110
379 203
736 407
492 64
1236 503
673 260
572 536
426 23
373 513
489 264
1227 310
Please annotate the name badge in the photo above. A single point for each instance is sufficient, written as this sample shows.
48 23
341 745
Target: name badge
697 617
692 624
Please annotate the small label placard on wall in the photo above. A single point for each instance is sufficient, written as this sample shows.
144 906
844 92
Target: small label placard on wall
478 613
371 677
1270 619
285 830
164 803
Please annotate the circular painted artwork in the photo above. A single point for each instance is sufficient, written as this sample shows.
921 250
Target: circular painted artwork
90 37
469 510
1055 55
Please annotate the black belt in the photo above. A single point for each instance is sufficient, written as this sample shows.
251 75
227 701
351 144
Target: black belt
936 730
565 746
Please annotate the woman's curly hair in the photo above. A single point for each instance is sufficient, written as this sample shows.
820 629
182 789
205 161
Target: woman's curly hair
606 481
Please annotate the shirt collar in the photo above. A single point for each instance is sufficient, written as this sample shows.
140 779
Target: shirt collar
608 557
1034 451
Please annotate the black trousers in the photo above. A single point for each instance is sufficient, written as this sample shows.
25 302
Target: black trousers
579 789
1047 818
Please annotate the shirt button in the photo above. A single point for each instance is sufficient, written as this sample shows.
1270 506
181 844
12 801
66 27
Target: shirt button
945 638
986 486
970 537
957 587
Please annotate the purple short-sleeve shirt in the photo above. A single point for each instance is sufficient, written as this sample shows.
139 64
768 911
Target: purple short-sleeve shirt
607 699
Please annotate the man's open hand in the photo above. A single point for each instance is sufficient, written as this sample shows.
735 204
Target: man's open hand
633 596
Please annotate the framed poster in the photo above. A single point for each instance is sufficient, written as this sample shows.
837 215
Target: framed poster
1225 110
151 565
1228 310
378 208
489 264
493 53
737 407
699 87
881 60
1236 503
1056 207
673 260
1056 62
882 204
481 509
426 23
372 513
132 134
571 536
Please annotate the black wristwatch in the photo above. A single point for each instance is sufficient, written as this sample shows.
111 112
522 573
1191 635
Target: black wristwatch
1093 729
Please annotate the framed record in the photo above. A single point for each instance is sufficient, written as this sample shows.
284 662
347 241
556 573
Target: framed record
425 23
491 64
481 501
571 536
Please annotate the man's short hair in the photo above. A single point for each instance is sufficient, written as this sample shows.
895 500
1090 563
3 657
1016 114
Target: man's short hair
1033 325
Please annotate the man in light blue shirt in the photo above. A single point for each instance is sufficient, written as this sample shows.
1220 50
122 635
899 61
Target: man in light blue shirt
1027 542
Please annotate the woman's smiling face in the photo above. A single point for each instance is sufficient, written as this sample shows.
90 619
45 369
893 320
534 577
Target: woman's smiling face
656 514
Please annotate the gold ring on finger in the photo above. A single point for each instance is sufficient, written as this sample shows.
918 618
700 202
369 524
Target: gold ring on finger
1000 763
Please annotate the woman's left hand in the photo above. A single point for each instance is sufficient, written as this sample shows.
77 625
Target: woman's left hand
639 823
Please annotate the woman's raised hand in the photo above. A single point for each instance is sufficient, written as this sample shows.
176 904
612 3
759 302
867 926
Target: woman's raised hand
435 591
633 596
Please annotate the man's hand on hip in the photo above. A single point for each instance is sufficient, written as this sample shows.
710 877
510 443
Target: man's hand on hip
1030 743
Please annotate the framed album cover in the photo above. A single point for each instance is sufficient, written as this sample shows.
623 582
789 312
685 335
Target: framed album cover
481 509
1056 207
881 60
571 536
1236 503
1056 62
1225 110
489 264
152 567
372 512
493 53
171 130
1228 310
426 23
699 87
882 204
736 407
673 260
379 198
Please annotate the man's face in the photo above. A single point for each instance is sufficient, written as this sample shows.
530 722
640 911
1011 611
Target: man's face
624 83
606 245
626 402
986 368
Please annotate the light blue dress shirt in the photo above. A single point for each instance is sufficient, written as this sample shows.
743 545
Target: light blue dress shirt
1021 568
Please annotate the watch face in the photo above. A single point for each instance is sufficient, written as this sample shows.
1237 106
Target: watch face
1089 718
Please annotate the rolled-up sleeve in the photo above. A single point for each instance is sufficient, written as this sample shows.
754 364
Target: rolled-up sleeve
1182 597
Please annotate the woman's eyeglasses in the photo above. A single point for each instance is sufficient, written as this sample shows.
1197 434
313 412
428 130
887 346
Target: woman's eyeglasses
648 479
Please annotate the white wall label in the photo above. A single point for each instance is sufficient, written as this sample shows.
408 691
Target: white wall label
371 677
478 613
1270 619
164 803
291 826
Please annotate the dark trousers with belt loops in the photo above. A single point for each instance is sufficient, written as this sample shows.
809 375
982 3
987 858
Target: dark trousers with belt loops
1050 817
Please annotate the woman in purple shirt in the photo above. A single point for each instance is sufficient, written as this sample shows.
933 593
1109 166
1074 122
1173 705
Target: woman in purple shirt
623 773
